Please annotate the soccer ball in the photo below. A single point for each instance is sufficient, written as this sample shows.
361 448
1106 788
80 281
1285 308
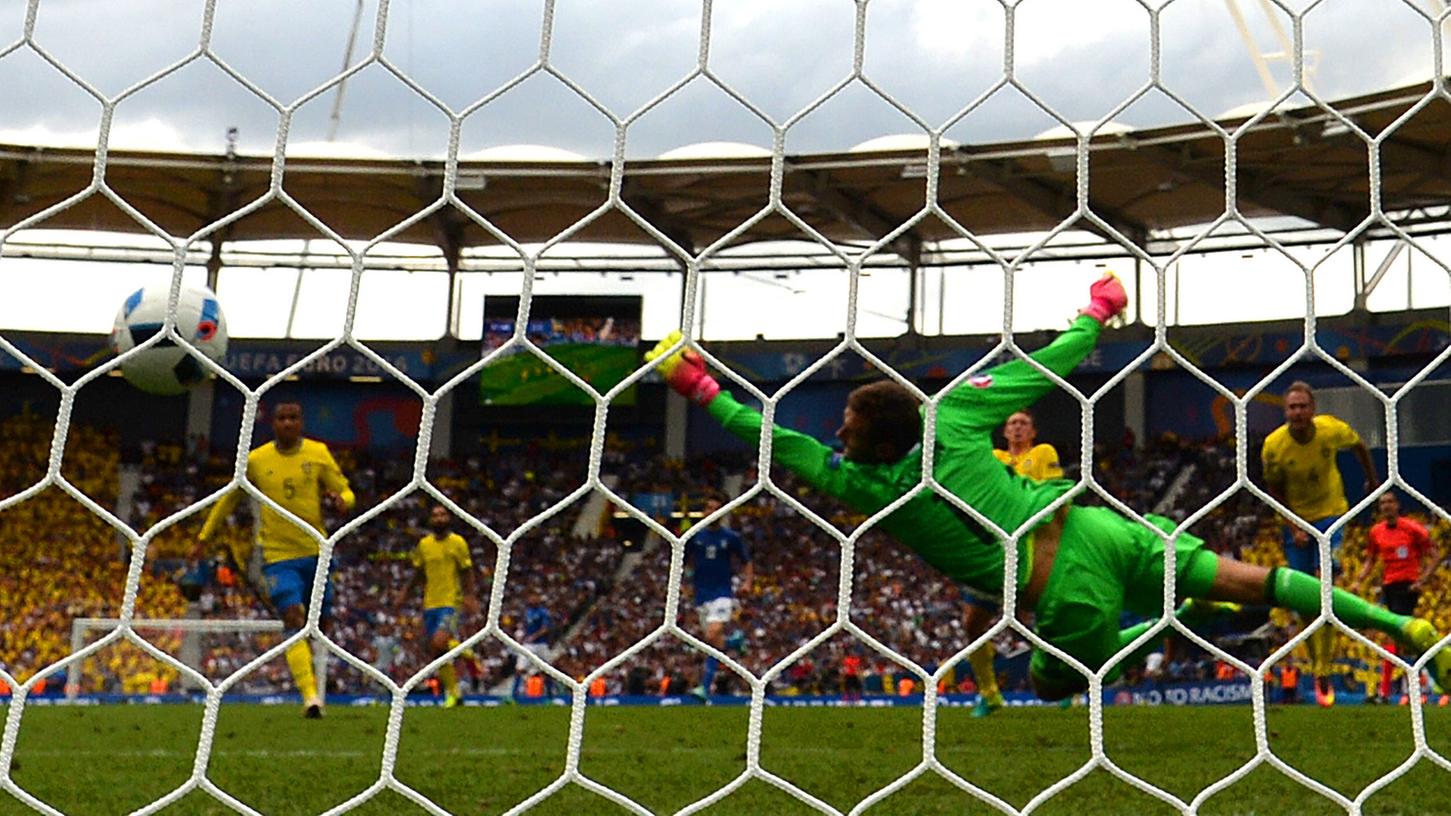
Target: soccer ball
167 368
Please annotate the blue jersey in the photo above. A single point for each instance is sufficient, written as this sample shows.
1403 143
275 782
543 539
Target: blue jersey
710 552
537 624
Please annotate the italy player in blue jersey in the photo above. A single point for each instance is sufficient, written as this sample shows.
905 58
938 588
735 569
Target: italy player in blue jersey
711 554
538 631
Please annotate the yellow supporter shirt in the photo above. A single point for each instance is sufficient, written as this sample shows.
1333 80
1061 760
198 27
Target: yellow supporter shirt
1039 463
441 562
1308 473
296 480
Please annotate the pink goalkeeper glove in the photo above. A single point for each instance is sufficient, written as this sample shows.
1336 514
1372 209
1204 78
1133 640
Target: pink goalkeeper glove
684 371
1106 298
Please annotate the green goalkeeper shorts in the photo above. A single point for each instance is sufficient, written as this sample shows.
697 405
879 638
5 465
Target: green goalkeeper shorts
1108 564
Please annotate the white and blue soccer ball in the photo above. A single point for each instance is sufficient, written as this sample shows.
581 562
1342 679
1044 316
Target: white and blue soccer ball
167 368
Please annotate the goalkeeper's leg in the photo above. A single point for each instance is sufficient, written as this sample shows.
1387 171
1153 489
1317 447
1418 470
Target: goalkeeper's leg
1106 563
1298 592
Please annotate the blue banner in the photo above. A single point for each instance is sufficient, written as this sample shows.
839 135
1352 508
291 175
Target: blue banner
1210 692
776 366
258 361
1242 345
380 417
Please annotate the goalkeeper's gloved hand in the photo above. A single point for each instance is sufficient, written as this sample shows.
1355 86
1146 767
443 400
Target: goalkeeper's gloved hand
1106 298
684 371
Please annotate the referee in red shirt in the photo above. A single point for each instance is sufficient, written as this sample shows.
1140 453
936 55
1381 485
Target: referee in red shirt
1409 556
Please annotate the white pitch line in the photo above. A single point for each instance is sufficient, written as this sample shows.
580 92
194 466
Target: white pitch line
162 753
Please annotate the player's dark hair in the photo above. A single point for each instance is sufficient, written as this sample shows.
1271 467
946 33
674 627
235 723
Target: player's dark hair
892 414
1303 387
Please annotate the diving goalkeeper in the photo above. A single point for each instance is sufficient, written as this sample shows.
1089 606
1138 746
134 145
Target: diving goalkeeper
1078 569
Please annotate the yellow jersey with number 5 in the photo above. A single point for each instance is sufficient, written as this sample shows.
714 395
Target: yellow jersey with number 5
296 480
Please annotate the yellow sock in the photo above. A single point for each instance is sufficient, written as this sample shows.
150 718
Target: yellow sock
1312 652
453 644
1324 650
299 660
1315 650
982 672
449 677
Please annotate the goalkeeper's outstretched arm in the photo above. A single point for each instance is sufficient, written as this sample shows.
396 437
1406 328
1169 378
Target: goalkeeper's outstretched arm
805 456
986 401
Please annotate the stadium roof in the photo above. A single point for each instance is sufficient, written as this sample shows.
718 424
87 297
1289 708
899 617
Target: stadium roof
1301 162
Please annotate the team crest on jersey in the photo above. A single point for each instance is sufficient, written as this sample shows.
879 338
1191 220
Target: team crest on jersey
834 462
980 381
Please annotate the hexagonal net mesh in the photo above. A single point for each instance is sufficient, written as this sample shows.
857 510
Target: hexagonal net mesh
695 262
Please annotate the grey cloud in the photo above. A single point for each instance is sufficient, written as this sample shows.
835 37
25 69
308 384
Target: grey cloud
780 55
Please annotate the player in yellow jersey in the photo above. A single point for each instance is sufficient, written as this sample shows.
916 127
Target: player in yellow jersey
300 475
1035 461
446 571
1300 471
1024 454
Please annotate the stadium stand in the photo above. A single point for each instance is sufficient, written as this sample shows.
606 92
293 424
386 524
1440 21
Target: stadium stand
58 561
62 562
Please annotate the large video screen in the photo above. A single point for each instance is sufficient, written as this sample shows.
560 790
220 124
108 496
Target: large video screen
595 337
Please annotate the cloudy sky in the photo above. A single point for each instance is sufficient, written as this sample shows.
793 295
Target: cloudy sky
933 56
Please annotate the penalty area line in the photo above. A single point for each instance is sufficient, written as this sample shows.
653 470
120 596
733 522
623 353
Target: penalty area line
165 753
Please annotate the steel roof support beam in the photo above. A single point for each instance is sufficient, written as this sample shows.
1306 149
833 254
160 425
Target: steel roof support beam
859 214
1258 188
650 210
1055 200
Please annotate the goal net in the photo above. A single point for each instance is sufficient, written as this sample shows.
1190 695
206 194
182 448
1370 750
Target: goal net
834 218
192 641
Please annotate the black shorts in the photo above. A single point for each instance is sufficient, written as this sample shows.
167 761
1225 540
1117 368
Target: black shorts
1400 598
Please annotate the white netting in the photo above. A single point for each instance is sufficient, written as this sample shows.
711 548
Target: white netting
695 264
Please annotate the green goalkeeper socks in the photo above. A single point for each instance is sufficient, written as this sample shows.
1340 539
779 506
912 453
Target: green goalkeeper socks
1299 592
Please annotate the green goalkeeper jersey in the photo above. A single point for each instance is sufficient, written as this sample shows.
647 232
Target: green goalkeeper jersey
963 463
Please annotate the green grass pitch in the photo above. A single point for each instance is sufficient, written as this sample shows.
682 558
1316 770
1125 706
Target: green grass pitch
102 760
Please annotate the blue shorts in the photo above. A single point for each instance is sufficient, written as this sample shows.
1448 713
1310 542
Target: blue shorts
440 617
1306 559
289 583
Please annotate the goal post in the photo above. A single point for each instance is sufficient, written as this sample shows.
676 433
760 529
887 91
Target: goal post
190 628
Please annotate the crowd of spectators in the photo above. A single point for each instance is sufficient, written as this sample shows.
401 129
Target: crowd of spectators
59 561
894 597
549 561
64 562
